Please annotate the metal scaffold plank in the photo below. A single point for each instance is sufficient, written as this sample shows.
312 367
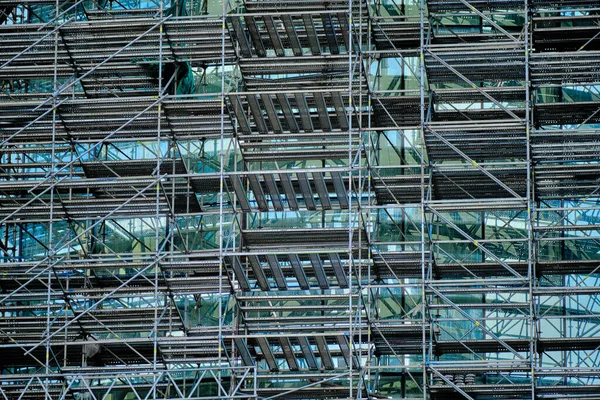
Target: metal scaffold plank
274 35
267 353
240 275
323 112
255 35
324 352
259 195
330 33
271 113
344 344
238 188
343 20
257 114
305 118
340 189
340 110
313 38
284 104
256 266
273 192
338 269
277 273
315 261
241 36
307 353
288 189
306 191
288 23
299 271
322 190
289 353
241 346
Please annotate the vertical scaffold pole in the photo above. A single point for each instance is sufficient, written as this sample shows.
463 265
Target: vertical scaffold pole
423 193
350 211
530 202
51 249
221 195
157 218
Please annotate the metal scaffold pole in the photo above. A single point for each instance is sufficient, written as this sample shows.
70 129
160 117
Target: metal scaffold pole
530 205
424 189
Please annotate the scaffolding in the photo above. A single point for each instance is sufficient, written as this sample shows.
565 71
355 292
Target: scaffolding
299 199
